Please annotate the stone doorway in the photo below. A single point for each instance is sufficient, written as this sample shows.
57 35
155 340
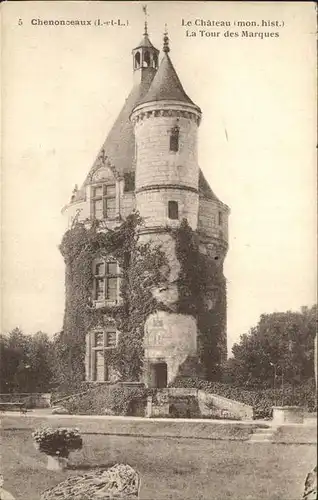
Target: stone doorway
159 375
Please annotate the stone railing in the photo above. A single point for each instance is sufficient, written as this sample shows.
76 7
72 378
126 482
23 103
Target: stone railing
31 399
208 405
213 404
180 391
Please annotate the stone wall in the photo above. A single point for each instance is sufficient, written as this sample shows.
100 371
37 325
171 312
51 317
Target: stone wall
32 399
153 207
209 219
213 404
195 403
155 163
171 339
163 175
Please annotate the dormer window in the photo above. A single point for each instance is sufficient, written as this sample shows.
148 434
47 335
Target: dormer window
104 201
174 139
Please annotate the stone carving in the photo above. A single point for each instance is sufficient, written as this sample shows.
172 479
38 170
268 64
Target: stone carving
166 112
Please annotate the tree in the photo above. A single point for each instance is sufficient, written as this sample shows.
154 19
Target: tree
40 355
281 344
26 362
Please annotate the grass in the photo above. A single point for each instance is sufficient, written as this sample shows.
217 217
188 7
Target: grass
141 427
293 434
178 469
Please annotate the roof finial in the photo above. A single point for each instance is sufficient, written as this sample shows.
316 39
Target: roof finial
144 8
166 47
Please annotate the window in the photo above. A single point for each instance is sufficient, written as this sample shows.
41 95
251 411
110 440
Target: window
220 219
110 339
173 212
174 139
101 341
104 201
137 60
106 281
146 61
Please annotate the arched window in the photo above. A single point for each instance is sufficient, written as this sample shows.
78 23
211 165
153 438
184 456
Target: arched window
137 60
174 139
155 61
173 211
146 61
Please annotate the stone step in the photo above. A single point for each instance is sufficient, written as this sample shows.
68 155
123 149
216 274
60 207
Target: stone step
252 441
262 436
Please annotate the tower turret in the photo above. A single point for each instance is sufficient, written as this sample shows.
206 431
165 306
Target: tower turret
145 59
149 162
167 171
167 191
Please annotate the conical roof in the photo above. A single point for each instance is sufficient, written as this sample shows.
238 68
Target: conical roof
166 85
119 145
145 42
205 189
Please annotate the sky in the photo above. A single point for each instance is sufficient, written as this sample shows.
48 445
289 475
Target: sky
62 89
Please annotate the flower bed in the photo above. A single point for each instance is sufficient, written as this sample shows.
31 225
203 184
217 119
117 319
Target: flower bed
57 442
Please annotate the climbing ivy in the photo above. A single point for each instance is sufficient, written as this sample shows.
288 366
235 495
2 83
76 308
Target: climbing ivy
202 293
143 268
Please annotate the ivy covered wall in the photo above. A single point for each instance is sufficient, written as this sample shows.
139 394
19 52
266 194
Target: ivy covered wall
201 294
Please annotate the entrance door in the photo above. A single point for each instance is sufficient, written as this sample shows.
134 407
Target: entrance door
160 375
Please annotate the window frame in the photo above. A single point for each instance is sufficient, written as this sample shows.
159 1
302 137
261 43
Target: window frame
95 349
103 197
173 208
220 218
104 277
174 139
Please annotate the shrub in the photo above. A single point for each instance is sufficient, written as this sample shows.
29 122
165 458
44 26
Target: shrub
61 441
67 390
115 399
261 400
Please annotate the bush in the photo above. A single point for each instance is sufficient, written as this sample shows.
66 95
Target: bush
61 441
66 391
115 399
262 400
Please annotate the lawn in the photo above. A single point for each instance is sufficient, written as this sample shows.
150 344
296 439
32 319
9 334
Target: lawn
170 468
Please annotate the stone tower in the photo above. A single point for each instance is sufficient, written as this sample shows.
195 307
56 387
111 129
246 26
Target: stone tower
149 163
167 178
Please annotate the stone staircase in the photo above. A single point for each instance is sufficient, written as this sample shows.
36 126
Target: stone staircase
262 435
193 403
